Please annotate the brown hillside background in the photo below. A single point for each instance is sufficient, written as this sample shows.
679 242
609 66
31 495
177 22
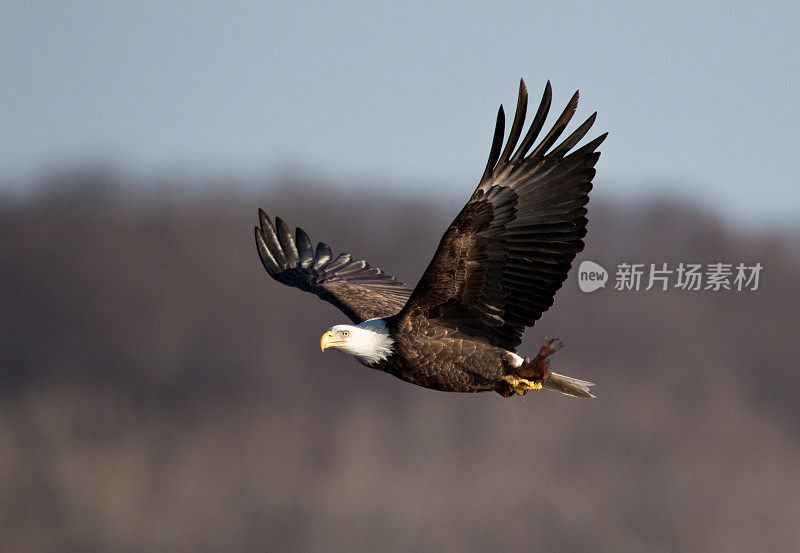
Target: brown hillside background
159 393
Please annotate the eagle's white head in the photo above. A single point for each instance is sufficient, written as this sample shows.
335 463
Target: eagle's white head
369 342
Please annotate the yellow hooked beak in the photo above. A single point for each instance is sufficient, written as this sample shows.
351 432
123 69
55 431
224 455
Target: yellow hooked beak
327 340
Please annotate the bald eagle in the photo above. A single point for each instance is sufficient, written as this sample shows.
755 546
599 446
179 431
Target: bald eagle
496 270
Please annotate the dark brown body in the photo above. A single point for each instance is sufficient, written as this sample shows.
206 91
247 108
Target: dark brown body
468 367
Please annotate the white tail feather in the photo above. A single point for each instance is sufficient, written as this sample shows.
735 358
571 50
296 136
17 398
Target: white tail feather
568 385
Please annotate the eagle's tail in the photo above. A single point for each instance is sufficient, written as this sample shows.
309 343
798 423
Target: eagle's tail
567 385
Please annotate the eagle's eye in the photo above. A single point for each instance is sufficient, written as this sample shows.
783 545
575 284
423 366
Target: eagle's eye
345 333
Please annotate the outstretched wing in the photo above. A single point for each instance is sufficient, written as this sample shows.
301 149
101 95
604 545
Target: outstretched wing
504 257
360 291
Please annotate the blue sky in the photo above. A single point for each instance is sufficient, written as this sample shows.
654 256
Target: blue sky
700 97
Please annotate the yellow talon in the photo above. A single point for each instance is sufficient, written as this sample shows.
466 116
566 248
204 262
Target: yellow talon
521 385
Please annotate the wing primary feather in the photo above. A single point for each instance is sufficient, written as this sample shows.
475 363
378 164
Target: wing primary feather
519 121
271 238
263 253
304 248
536 124
287 242
497 143
341 260
322 255
575 137
353 268
590 146
558 128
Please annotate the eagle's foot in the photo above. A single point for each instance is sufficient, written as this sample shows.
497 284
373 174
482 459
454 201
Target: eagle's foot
520 386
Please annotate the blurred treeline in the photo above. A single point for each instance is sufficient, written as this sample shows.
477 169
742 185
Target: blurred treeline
158 392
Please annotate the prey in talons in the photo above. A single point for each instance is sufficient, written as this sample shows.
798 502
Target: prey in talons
531 373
